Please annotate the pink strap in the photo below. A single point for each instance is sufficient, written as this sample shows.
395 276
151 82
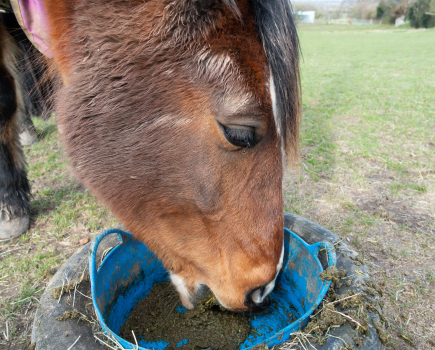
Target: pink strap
33 19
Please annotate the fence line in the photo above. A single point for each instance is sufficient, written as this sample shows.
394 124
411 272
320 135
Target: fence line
353 21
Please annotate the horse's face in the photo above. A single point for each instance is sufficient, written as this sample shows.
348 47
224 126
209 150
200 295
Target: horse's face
170 120
213 211
220 221
216 215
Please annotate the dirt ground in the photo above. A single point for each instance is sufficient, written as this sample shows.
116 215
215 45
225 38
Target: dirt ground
396 236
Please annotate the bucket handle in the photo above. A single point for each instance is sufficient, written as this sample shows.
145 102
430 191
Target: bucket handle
317 247
94 248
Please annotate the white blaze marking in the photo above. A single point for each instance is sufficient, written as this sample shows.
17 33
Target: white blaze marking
257 296
276 114
274 105
181 288
281 259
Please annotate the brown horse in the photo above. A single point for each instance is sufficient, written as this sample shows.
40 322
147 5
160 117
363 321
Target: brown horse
179 115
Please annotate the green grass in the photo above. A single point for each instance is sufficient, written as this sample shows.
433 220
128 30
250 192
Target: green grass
368 96
62 212
368 157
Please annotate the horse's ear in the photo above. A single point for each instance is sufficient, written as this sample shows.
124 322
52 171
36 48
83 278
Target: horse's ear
274 20
33 19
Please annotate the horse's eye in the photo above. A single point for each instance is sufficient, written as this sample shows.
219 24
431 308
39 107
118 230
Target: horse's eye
239 137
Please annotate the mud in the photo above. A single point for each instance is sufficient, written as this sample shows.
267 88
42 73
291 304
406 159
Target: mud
358 341
61 290
49 273
383 335
400 212
160 316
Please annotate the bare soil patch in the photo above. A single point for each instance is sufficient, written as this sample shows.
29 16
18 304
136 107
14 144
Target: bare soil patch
400 212
395 235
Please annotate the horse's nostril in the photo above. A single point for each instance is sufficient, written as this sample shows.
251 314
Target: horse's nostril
265 304
261 307
255 302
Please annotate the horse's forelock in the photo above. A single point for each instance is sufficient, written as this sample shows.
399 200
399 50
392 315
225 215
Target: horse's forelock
232 5
277 30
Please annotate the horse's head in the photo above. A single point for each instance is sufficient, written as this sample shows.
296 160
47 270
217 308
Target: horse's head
179 115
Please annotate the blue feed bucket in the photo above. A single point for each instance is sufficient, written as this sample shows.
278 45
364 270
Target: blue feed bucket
130 270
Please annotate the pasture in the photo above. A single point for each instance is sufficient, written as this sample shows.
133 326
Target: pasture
367 172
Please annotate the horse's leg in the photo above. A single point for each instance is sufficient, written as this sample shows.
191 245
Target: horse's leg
29 79
14 186
28 135
29 87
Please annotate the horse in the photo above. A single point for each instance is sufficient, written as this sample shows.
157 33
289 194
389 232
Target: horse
34 82
180 116
14 185
22 93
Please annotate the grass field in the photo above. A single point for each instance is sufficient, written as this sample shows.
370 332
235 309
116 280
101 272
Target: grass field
368 160
367 172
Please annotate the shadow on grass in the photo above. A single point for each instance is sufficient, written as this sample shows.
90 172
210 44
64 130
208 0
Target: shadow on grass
66 207
48 200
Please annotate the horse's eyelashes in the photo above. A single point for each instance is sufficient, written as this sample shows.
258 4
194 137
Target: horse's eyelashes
239 137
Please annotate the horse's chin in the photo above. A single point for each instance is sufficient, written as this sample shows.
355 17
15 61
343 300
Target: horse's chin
190 297
183 290
189 294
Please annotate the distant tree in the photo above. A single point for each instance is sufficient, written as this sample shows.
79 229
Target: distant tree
422 14
380 10
304 7
389 10
364 10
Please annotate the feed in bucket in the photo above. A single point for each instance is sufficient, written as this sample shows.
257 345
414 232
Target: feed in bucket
162 317
130 271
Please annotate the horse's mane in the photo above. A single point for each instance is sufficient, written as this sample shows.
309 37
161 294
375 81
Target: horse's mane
277 30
